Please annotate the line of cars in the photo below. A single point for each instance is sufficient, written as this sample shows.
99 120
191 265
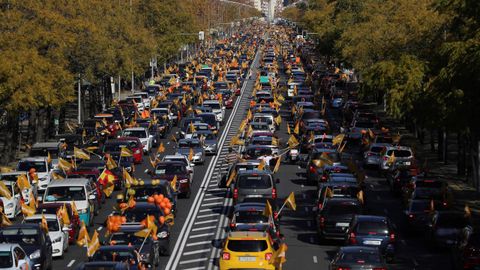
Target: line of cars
193 96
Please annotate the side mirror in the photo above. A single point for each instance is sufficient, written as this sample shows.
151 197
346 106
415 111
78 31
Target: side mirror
92 197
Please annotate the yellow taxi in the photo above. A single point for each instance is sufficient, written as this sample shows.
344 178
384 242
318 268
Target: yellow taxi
247 249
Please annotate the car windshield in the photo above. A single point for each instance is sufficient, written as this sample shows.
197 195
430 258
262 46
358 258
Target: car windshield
247 245
39 166
376 149
266 120
361 257
43 152
66 193
135 133
333 156
52 224
372 227
254 181
142 193
342 209
250 217
170 170
214 106
114 147
399 153
209 119
139 214
20 236
189 144
114 256
126 239
5 259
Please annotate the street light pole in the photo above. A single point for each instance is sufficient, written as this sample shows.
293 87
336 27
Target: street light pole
79 100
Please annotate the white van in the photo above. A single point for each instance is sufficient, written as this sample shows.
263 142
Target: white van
265 118
75 190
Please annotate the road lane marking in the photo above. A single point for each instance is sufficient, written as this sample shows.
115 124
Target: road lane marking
213 198
193 261
208 215
315 260
204 228
198 243
195 268
210 209
201 235
206 221
71 263
196 251
100 228
211 204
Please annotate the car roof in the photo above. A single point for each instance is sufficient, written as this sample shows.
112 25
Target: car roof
371 218
39 216
358 248
8 246
46 145
69 182
243 234
136 128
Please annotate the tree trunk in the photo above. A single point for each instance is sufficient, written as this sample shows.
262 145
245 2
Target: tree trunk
32 127
461 158
10 143
440 144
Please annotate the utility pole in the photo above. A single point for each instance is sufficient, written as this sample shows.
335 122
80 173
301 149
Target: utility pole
79 99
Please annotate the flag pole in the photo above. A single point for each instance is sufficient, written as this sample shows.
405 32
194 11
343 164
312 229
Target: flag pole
281 208
144 240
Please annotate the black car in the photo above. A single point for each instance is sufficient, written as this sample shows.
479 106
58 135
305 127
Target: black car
466 253
146 246
358 257
144 209
34 240
444 228
103 265
418 214
314 170
151 187
334 218
118 253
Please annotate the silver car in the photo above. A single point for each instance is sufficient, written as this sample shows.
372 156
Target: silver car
254 184
371 157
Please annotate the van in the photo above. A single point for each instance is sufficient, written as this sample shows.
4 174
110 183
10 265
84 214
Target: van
265 118
41 166
77 190
217 109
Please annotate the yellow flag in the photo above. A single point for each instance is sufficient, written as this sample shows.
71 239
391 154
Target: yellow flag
125 152
190 154
44 224
249 115
64 165
170 219
57 176
277 164
242 125
296 130
80 154
111 164
261 166
268 209
127 177
288 129
173 138
231 177
324 156
278 120
391 159
360 196
22 182
153 162
279 256
342 147
74 208
5 221
290 201
173 183
93 245
161 148
371 134
64 215
192 128
292 141
338 139
143 233
49 158
27 210
5 191
329 193
467 210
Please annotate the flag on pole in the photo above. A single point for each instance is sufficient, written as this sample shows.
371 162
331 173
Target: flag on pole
232 176
80 154
277 164
161 148
391 159
190 154
261 166
292 141
22 182
173 183
44 224
111 164
27 210
64 165
290 201
93 245
268 210
125 152
338 139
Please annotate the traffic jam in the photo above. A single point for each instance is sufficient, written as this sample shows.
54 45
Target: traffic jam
254 154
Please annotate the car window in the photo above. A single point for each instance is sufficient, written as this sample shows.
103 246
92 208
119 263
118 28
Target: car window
170 169
6 260
342 209
363 257
52 224
247 245
254 182
372 227
20 236
40 166
399 153
135 133
69 193
250 217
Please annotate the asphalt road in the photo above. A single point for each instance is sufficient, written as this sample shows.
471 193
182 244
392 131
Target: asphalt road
203 216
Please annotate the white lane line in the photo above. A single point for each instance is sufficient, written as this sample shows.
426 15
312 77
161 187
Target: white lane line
211 204
71 263
193 261
213 198
196 251
201 235
209 209
206 221
315 260
195 268
204 228
208 215
198 243
100 228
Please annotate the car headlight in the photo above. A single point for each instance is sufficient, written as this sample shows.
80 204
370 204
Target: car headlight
162 234
10 205
35 254
57 240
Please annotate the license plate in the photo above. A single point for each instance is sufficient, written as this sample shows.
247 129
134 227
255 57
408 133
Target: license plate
342 224
407 163
254 196
372 242
247 259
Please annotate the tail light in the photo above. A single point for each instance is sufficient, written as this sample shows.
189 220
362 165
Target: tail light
313 169
232 225
235 193
274 193
385 158
392 237
268 256
411 216
343 268
369 154
324 178
225 256
352 238
320 206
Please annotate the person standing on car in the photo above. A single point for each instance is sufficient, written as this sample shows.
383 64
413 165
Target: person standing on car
232 156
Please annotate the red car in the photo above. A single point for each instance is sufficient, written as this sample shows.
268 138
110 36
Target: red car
136 146
74 227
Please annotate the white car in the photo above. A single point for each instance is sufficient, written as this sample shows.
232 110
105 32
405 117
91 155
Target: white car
58 236
217 109
41 166
141 133
11 207
13 257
